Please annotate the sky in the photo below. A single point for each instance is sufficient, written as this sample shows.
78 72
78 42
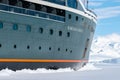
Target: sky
108 15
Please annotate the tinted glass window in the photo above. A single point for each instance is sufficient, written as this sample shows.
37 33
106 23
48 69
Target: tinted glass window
28 28
15 27
68 34
76 18
72 3
1 25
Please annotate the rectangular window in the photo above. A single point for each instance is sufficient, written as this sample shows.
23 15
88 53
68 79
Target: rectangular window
28 28
72 3
15 27
1 25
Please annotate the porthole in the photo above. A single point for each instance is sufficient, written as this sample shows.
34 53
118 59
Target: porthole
76 18
58 49
51 32
15 46
66 50
0 45
69 16
28 47
40 47
68 34
50 48
1 25
60 33
41 30
15 27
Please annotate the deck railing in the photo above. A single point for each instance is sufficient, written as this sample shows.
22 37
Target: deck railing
61 2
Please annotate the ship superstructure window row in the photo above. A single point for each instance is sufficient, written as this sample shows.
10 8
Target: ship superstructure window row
28 47
28 28
24 7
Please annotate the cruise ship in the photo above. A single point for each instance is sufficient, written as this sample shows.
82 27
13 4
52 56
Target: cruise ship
49 34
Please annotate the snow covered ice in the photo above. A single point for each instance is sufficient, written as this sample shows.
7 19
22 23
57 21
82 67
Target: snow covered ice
105 47
89 72
104 65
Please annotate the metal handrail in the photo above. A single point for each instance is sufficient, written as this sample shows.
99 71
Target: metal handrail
56 1
92 12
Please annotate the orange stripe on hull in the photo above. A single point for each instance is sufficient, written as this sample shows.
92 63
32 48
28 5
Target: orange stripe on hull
37 60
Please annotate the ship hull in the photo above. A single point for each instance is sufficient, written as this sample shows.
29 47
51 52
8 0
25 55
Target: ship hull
61 43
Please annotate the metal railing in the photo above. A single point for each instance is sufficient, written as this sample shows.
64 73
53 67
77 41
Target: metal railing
31 12
61 2
92 12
